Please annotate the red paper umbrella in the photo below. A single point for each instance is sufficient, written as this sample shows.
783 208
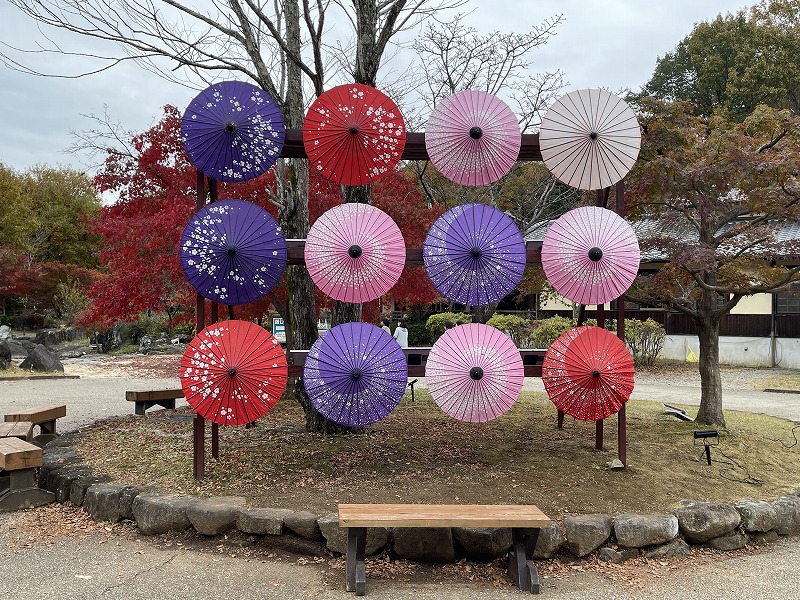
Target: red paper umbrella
233 372
354 134
588 373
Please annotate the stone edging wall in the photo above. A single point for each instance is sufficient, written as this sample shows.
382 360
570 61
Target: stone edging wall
719 526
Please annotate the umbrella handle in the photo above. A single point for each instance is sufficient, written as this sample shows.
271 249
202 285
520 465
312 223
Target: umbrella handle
230 312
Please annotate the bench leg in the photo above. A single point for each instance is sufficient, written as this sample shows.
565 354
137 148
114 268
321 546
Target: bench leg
356 572
18 490
141 406
520 566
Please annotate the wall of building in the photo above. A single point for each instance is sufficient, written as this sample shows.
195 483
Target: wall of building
757 304
739 351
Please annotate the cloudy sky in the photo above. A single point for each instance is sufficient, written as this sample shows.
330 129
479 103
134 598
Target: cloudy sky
608 43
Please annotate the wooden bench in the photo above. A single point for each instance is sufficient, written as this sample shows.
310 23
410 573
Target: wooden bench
149 399
18 462
17 429
43 416
525 521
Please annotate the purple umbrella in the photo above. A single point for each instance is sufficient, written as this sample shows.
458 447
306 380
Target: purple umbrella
233 252
355 374
233 131
474 254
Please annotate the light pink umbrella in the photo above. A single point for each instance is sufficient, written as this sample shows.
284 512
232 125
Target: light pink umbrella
355 252
473 138
474 372
589 139
590 255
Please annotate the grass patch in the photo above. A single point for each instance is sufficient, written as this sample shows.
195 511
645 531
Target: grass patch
419 454
779 382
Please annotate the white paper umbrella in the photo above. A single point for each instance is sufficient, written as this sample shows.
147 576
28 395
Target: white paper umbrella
589 139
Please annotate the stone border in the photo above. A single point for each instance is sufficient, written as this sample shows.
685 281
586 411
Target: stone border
618 538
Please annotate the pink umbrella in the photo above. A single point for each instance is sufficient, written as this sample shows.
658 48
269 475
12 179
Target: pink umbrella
474 372
355 252
473 138
589 139
590 255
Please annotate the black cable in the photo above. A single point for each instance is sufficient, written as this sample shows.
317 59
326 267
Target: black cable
794 435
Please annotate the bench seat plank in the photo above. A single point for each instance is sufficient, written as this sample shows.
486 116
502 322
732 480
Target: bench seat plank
153 395
18 454
17 429
39 414
442 515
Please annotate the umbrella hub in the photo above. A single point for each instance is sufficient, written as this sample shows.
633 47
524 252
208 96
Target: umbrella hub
354 251
231 251
476 253
356 374
353 130
594 135
476 133
476 373
595 254
596 374
232 371
230 126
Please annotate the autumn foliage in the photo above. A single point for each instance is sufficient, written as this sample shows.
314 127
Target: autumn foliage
155 187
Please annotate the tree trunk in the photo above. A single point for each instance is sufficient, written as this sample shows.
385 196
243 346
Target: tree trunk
294 220
710 412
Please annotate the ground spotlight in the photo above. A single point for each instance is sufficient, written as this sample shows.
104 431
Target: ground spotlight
710 437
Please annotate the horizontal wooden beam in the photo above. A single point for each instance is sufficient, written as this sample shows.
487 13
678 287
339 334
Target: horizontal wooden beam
296 248
414 149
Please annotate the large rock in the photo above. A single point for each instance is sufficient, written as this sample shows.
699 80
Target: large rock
5 356
550 542
787 509
42 360
700 522
160 513
336 537
425 544
483 545
62 480
757 515
637 531
5 332
586 533
49 337
731 541
262 521
77 491
304 524
617 557
18 350
674 549
110 502
215 516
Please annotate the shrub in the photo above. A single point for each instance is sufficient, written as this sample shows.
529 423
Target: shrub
645 340
517 328
418 334
436 323
547 330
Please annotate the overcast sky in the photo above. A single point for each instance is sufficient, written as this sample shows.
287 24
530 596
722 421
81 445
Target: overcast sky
602 43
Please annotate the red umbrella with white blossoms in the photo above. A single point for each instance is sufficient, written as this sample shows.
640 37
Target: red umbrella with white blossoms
354 134
233 372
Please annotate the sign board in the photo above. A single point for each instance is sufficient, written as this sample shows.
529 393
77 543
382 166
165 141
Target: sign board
279 329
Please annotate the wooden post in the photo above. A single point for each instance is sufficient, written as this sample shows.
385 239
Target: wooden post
622 420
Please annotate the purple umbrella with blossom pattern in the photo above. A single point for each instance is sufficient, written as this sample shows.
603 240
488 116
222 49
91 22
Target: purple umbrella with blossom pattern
474 254
233 252
355 374
233 131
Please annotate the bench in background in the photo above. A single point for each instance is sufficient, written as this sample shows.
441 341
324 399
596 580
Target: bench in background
149 399
525 521
43 416
17 429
